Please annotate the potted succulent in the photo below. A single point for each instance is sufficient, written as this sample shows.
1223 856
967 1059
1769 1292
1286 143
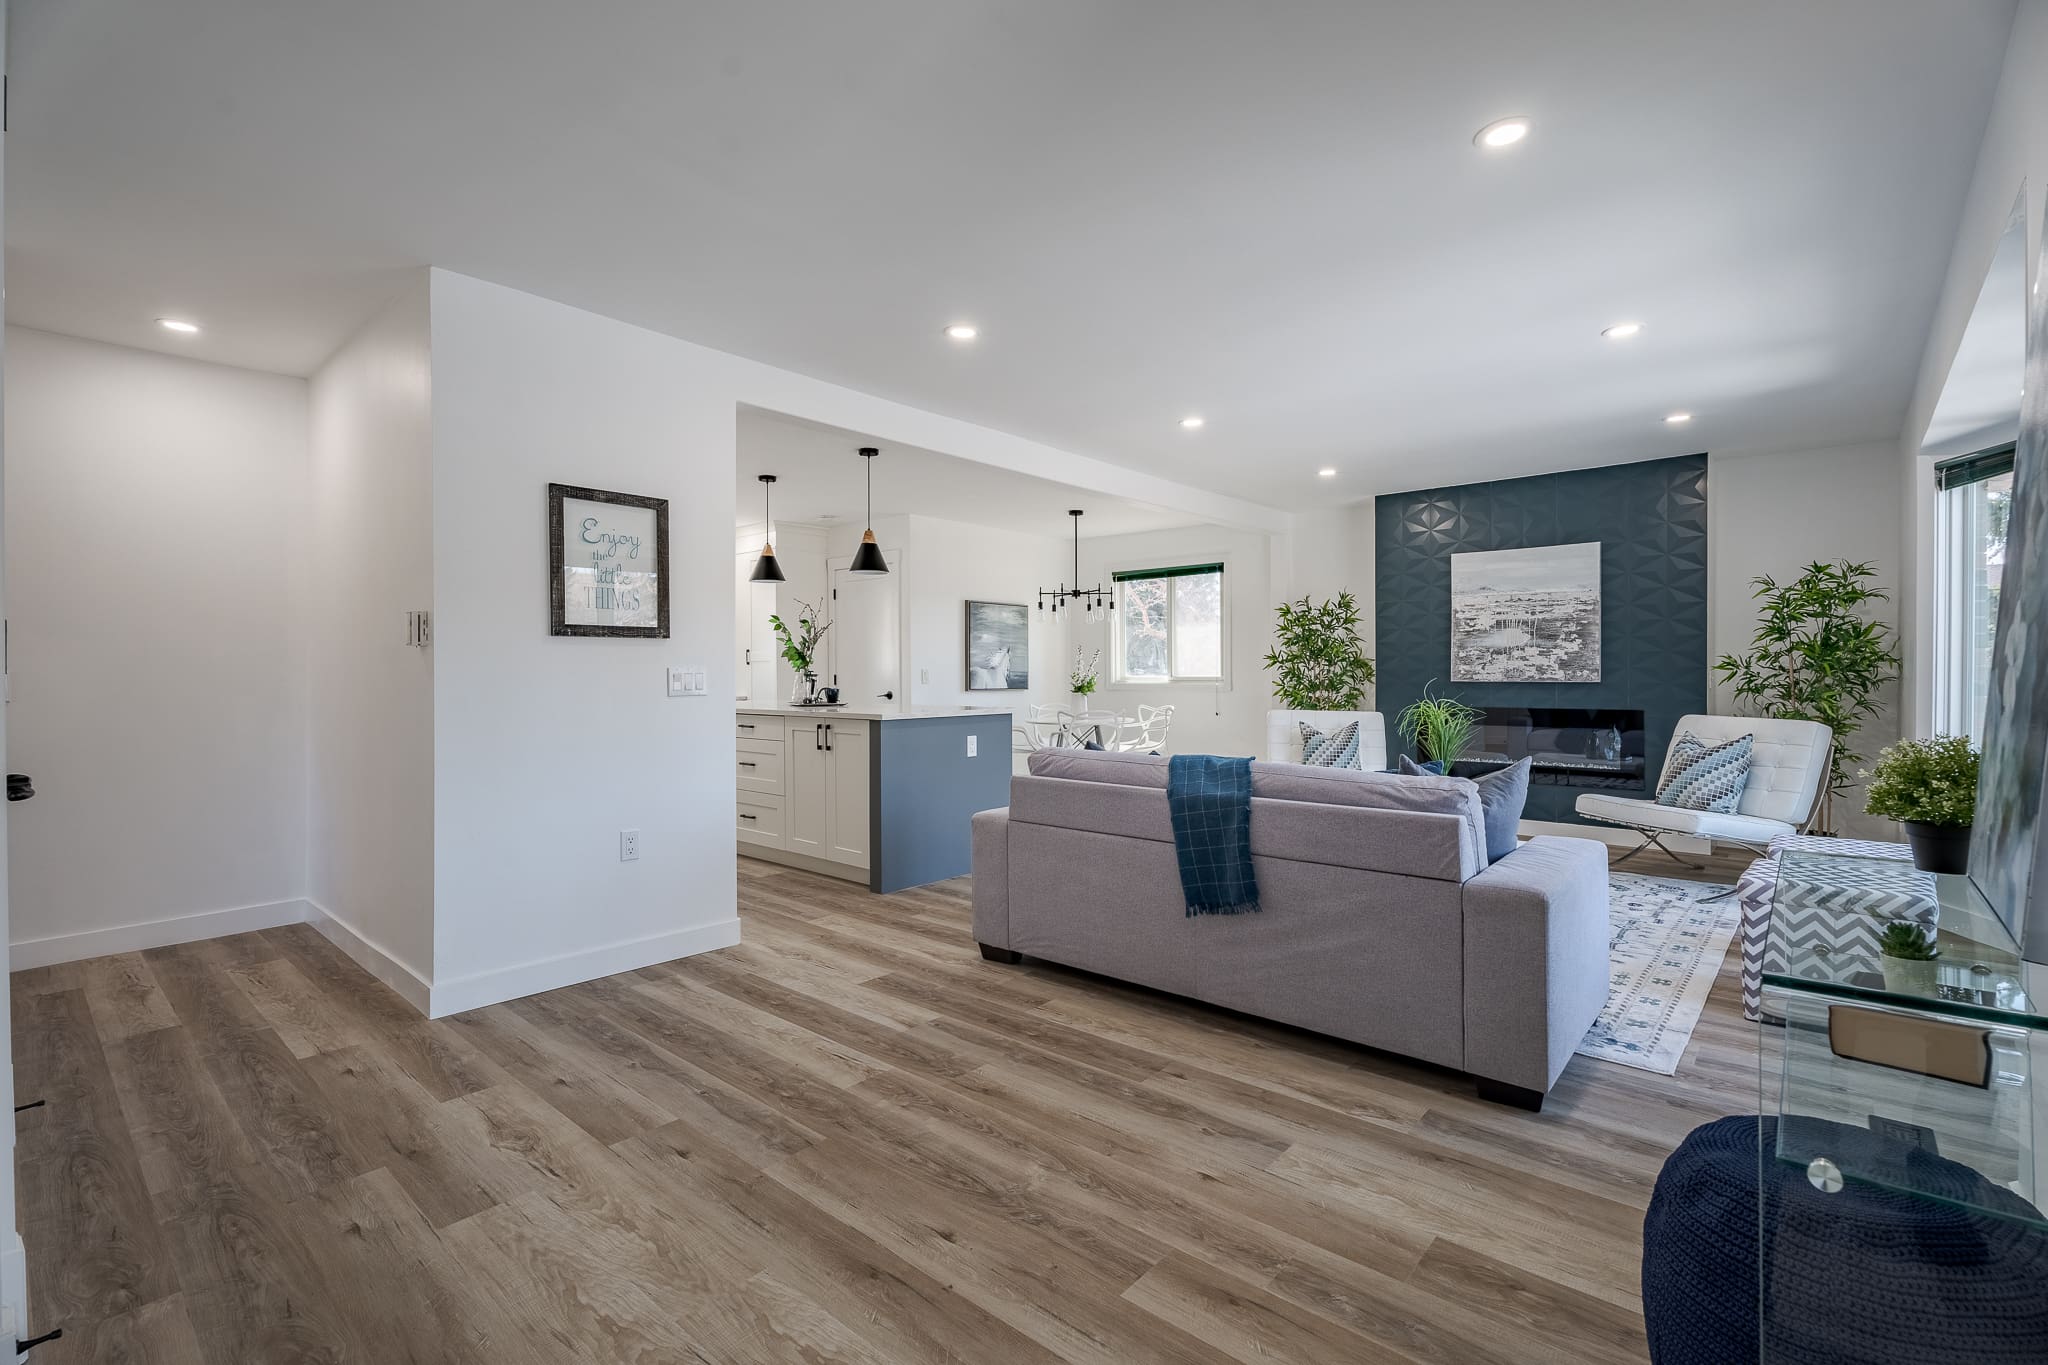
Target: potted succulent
800 648
1908 957
1440 728
1930 786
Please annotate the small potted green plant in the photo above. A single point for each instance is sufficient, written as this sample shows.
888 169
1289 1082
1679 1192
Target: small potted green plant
1930 786
1440 728
1909 957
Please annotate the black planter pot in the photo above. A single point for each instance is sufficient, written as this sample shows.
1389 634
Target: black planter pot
1939 848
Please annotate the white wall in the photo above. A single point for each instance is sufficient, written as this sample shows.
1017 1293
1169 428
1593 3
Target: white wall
158 691
1207 719
370 790
546 747
950 562
2014 151
1774 514
1328 552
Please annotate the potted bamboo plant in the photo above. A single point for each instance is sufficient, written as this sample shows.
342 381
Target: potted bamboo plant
1929 786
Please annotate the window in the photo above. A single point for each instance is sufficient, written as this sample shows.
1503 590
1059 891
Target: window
1972 507
1169 624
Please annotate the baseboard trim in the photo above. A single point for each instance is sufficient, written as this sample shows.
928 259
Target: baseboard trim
14 1290
160 933
531 978
372 957
805 862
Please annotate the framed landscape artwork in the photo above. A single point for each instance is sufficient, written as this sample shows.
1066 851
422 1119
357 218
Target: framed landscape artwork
998 647
608 563
1527 615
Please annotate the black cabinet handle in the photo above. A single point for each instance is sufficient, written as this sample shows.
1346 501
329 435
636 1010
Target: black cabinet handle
818 738
828 739
744 726
20 786
749 817
745 764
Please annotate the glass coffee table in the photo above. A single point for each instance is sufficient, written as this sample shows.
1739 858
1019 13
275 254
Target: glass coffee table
1900 1106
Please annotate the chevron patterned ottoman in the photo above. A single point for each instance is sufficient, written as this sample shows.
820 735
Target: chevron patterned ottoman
1758 888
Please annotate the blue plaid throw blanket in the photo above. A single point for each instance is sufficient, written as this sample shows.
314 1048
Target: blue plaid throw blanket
1210 800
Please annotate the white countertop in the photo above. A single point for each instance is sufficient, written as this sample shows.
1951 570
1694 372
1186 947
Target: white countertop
822 713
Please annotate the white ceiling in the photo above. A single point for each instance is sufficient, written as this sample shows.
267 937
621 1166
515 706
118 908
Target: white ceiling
1271 214
819 479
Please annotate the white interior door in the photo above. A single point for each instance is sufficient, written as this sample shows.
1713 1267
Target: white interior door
17 1316
865 647
753 638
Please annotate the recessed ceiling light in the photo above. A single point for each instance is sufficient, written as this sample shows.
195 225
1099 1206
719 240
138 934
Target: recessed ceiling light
1501 133
963 331
1621 331
1678 419
178 325
1326 473
1192 422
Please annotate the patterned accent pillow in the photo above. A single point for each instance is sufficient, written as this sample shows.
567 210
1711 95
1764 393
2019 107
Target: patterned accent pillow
1703 777
1337 749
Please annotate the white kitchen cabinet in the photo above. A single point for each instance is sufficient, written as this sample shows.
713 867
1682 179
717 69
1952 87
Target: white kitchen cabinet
804 786
807 793
847 759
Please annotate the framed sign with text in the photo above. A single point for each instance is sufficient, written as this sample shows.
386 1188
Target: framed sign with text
608 562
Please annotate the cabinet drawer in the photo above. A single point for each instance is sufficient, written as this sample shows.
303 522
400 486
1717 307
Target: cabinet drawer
760 819
758 765
759 727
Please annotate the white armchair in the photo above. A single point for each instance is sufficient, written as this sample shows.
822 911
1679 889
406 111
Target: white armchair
1283 734
1788 768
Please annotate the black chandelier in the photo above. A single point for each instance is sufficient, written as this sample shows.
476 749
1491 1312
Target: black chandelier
1091 599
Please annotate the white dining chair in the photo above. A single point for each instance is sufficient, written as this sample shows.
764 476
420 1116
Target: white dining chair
1103 727
1151 728
1040 729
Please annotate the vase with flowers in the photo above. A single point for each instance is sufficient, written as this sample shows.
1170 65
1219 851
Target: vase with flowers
800 649
1084 676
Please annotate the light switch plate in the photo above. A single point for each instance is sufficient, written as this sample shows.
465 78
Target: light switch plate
973 745
678 682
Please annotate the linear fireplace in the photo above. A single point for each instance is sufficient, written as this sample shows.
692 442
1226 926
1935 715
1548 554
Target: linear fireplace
1566 746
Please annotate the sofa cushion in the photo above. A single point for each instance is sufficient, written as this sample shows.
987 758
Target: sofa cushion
1502 795
1288 782
1622 810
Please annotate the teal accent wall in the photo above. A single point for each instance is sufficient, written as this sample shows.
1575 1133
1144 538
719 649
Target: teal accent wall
1651 522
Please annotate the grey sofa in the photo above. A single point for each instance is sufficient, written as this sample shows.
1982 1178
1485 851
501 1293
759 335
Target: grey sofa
1381 922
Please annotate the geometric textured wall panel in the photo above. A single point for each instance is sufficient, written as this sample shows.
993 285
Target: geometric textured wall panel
1651 522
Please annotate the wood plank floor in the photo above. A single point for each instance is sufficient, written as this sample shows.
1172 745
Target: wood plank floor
847 1139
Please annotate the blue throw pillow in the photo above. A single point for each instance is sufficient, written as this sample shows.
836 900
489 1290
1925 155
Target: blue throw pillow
1336 748
1699 777
1502 795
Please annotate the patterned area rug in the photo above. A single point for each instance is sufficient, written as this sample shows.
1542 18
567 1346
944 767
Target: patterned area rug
1665 948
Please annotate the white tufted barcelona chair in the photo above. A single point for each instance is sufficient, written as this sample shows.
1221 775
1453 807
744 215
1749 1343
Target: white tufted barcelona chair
1283 734
1788 767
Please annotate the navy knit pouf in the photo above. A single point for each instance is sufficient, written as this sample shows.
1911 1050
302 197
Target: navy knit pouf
1865 1276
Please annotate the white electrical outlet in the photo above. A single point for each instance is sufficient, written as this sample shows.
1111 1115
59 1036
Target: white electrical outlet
629 845
973 745
924 675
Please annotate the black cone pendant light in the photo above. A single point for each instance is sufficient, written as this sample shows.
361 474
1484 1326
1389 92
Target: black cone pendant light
766 570
867 560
